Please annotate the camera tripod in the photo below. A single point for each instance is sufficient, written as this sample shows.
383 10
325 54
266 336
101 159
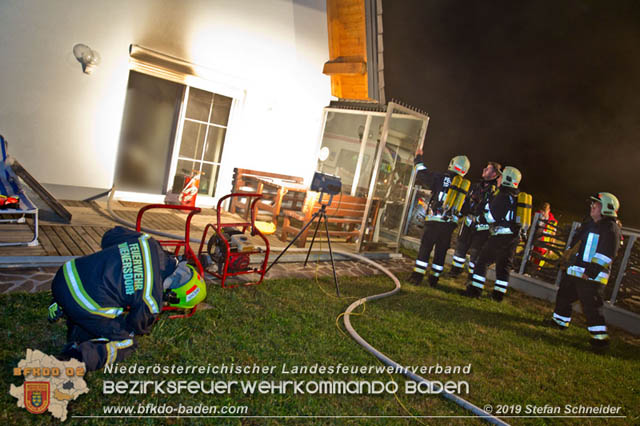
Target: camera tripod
321 215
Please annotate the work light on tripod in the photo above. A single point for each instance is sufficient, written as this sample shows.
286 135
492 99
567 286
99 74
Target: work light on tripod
324 184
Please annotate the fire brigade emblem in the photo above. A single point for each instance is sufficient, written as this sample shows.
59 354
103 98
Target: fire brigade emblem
36 397
49 385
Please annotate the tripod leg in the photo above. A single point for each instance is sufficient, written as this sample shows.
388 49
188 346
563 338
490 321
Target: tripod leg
333 265
313 239
316 214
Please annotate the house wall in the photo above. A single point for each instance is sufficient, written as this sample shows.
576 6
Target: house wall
64 125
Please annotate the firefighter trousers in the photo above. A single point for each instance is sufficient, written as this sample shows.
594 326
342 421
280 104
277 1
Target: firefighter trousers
436 234
589 293
95 350
469 240
499 249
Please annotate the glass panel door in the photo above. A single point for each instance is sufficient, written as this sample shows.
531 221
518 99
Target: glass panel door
369 155
342 136
392 178
201 140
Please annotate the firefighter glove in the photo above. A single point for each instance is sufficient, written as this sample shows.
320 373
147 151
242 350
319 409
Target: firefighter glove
55 312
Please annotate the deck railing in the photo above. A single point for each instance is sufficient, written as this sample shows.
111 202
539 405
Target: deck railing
623 289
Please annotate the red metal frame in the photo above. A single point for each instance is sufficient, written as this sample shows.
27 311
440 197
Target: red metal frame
230 256
188 252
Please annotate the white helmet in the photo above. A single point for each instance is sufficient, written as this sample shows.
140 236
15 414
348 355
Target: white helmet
460 164
610 203
511 177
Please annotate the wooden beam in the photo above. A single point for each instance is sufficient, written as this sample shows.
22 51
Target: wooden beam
345 66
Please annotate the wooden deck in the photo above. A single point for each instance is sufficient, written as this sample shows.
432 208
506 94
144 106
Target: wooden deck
92 219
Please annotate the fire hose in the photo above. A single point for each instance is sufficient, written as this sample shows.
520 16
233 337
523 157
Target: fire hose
347 322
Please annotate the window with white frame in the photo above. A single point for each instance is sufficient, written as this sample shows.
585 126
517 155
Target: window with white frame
201 135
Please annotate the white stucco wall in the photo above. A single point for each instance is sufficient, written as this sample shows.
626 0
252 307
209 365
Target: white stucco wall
64 126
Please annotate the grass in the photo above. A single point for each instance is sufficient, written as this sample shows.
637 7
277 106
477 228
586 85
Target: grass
514 358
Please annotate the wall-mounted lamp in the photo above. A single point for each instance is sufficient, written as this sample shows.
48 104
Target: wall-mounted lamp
88 57
322 156
324 153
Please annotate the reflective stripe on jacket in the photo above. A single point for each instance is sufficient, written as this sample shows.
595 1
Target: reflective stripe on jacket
118 290
600 242
500 213
80 295
439 184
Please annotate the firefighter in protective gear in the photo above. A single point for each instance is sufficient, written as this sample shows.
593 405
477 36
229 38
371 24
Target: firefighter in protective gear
440 223
110 296
547 226
597 242
473 235
504 235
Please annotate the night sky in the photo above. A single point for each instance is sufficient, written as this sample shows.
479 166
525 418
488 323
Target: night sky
550 87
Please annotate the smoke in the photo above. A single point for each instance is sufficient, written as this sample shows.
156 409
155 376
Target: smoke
552 88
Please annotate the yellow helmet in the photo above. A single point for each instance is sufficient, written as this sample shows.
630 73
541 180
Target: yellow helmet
460 164
610 203
511 177
185 288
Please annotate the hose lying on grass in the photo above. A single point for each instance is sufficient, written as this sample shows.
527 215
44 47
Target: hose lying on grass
386 360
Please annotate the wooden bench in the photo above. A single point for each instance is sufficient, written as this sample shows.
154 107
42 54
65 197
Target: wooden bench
10 186
278 191
344 214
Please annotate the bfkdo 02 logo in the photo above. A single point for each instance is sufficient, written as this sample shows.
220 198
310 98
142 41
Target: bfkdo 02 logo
37 394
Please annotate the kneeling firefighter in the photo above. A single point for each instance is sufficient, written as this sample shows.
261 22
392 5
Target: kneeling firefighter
448 192
503 240
593 250
112 295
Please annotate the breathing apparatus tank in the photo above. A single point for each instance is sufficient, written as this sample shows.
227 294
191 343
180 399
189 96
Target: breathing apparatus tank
456 194
523 210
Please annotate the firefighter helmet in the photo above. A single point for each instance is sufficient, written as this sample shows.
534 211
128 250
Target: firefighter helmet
511 177
185 288
610 203
460 164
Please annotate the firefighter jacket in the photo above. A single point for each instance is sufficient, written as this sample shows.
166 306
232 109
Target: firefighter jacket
547 226
600 242
439 184
116 292
480 195
500 213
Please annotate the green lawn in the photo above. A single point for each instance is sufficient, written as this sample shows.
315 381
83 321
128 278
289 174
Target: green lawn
514 359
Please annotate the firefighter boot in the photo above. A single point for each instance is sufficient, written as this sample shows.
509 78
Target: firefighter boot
70 351
455 272
497 295
471 291
599 345
433 281
550 322
415 278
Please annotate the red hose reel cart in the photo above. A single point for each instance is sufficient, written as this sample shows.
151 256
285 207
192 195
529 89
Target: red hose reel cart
229 249
188 253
